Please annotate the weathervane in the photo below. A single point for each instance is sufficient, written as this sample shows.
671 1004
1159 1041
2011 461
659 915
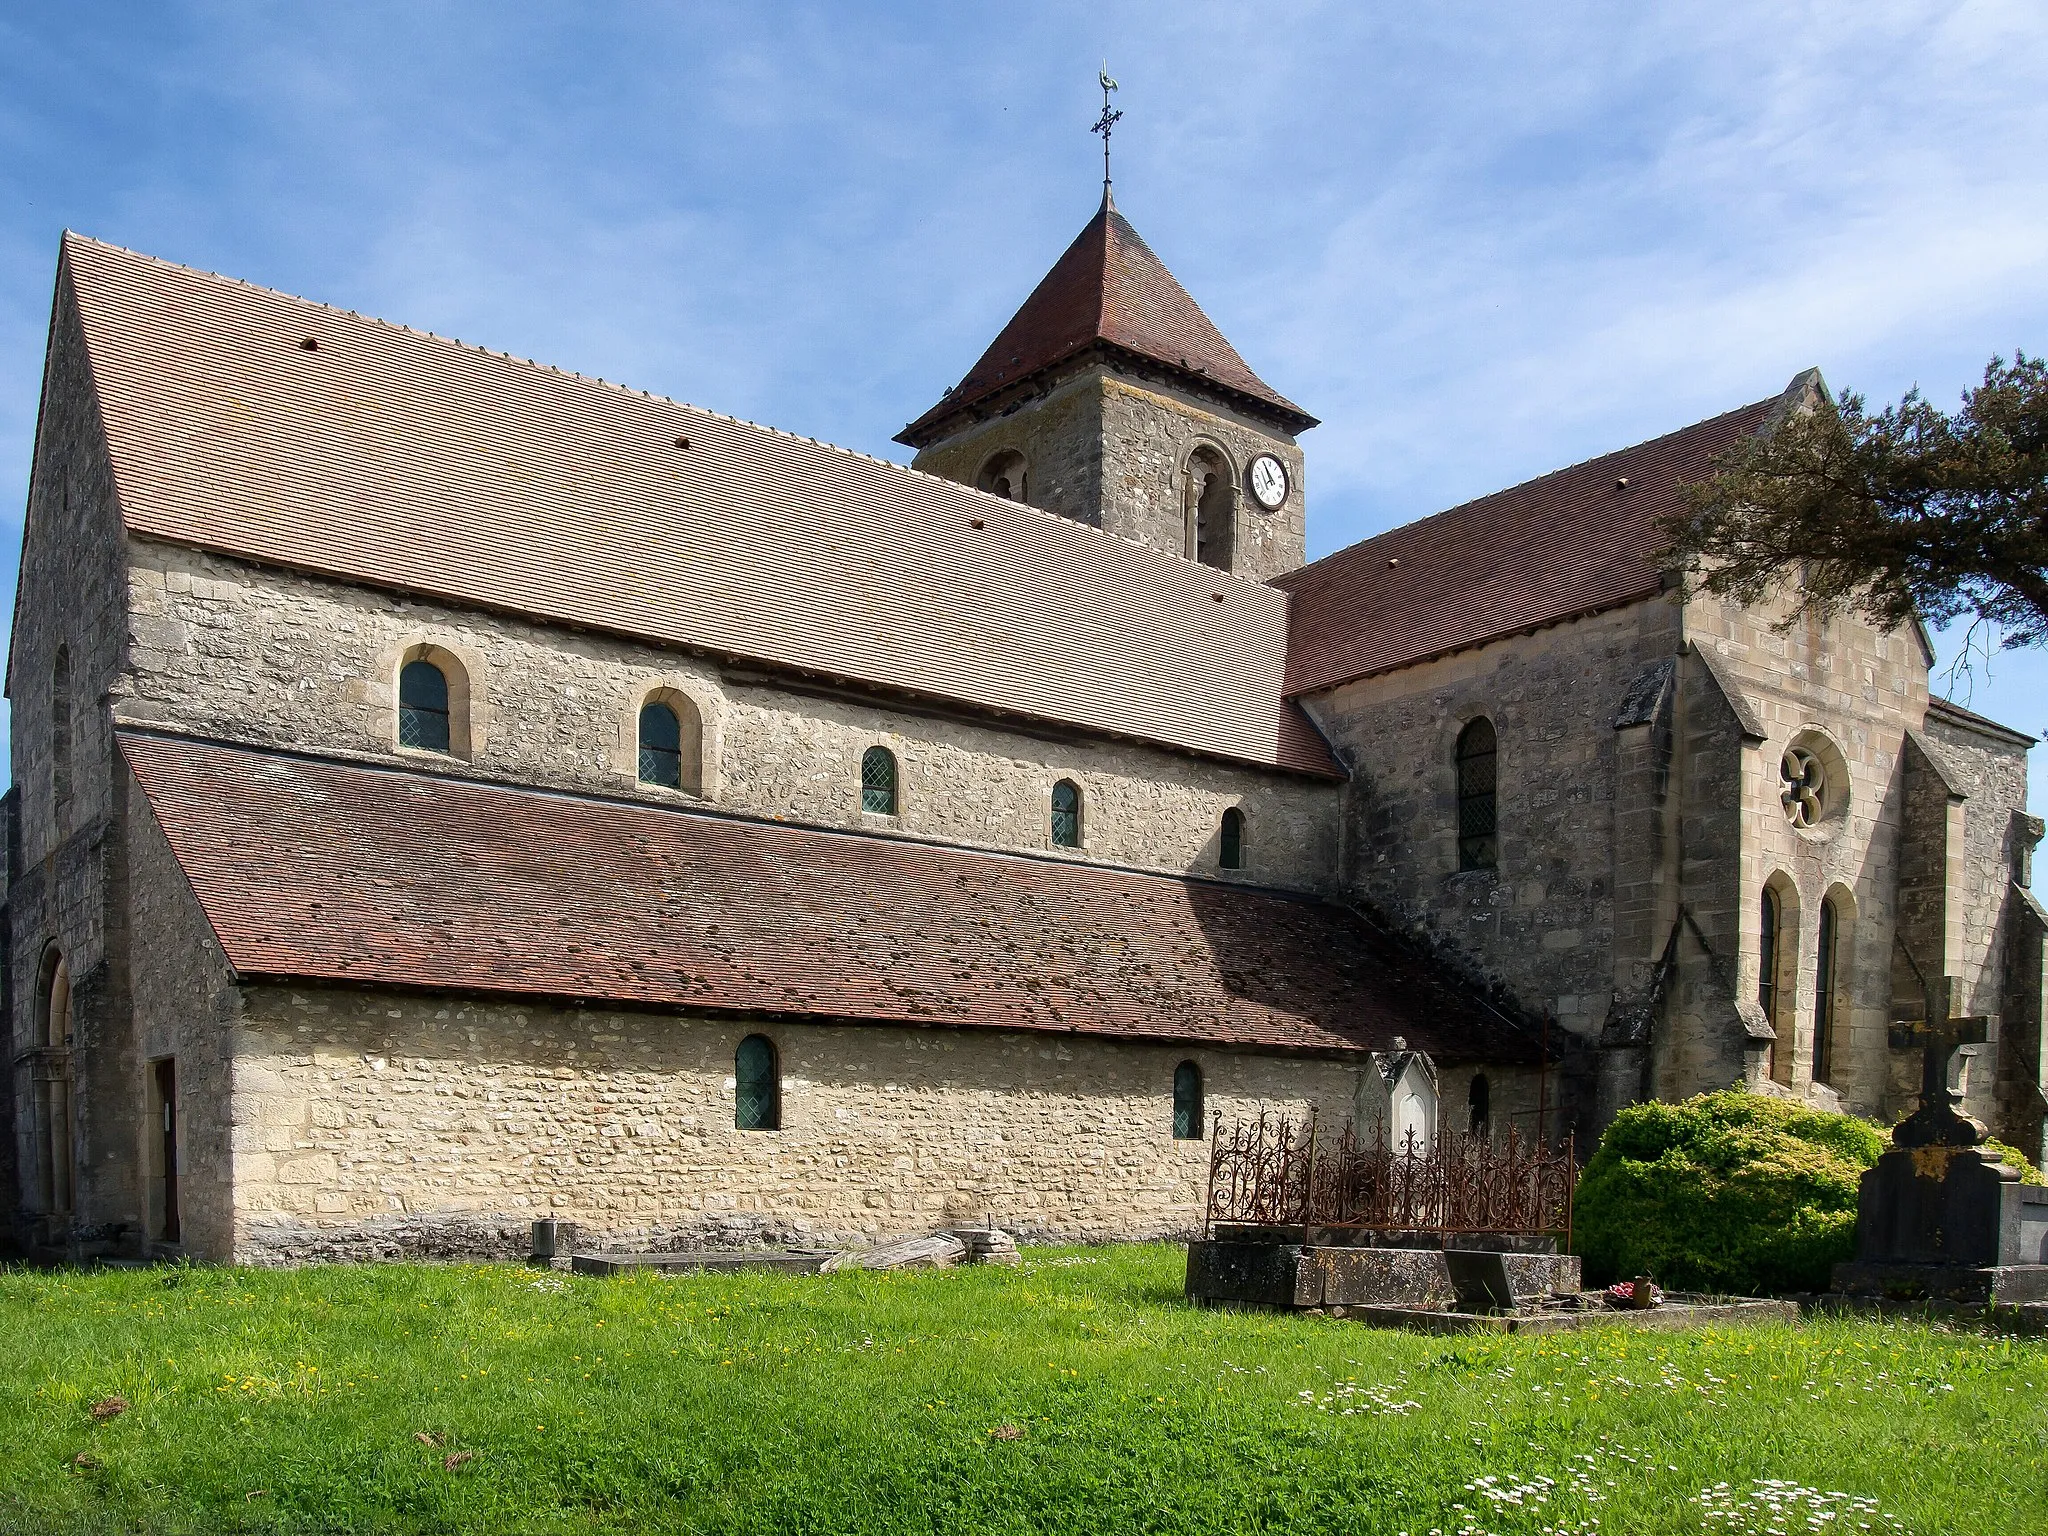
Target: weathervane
1106 122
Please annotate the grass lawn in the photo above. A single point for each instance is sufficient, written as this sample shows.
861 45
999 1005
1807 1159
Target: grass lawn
1075 1393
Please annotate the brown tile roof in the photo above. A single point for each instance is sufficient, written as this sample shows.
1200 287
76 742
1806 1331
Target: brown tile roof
1571 543
322 870
404 460
1108 290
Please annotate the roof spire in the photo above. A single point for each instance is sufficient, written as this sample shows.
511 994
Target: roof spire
1105 123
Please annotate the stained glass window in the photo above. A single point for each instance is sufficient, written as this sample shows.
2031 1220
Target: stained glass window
1824 997
423 706
759 1083
1767 958
1066 814
1233 839
1478 844
1187 1102
661 746
878 781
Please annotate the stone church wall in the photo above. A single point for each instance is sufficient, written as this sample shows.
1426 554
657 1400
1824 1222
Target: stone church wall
1542 923
1850 692
1992 772
71 598
1107 450
225 649
1059 435
185 1002
369 1123
1148 432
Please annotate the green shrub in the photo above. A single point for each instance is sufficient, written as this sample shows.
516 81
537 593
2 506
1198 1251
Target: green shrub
1729 1191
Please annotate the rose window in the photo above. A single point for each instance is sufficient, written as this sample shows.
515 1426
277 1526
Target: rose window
1805 788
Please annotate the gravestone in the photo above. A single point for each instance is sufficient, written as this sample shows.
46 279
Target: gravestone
1940 1218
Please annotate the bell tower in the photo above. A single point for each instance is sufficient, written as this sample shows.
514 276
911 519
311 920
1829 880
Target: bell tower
1110 398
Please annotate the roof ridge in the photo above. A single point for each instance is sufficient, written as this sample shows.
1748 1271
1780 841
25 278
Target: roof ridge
613 384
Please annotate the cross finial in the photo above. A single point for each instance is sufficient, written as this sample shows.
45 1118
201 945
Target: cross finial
1106 122
1939 1121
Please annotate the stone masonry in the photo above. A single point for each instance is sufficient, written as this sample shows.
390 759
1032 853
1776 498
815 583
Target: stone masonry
360 1127
222 649
1114 451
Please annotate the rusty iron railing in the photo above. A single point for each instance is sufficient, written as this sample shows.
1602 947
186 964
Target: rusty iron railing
1278 1171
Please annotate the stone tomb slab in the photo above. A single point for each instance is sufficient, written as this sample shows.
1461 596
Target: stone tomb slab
1298 1276
795 1262
1491 1280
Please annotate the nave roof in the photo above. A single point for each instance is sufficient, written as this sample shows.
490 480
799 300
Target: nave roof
404 460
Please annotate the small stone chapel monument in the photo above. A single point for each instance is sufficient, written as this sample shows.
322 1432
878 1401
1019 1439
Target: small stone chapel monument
1940 1217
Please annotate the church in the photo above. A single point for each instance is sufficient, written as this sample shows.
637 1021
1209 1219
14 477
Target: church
452 792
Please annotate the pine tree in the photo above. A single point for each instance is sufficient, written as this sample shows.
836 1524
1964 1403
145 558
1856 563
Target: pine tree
1906 513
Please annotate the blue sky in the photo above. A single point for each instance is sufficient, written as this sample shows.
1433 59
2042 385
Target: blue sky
1480 240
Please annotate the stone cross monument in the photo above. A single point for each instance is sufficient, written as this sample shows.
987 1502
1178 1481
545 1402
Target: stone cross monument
1939 1121
1940 1218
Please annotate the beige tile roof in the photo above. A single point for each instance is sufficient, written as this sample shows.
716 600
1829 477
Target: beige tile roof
402 459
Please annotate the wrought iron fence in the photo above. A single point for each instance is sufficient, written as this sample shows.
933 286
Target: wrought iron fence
1276 1171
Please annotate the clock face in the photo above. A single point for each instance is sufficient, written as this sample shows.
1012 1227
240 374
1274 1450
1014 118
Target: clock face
1269 481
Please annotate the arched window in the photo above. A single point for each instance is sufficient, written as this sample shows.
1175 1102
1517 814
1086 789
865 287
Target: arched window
1066 814
1767 958
1005 475
423 706
1479 1105
60 740
661 746
758 1080
668 737
1210 504
52 1081
1187 1102
1231 855
1824 992
1478 816
878 781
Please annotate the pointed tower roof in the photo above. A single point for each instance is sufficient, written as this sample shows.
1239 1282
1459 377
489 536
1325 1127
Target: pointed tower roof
1108 292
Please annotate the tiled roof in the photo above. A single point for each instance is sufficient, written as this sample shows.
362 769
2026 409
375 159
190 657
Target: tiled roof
321 870
1571 543
405 460
1108 289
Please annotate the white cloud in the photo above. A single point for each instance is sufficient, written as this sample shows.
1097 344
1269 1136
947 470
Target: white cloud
1481 240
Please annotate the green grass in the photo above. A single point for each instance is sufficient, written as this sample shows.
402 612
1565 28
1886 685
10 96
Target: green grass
869 1403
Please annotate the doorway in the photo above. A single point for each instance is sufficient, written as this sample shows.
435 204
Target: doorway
164 1151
